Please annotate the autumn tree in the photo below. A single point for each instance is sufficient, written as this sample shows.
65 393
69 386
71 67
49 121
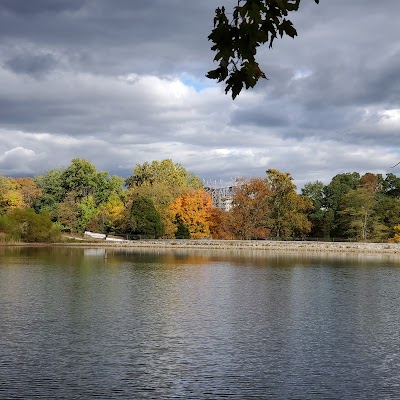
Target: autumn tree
220 227
396 235
28 190
66 213
287 215
236 37
371 182
250 207
109 216
161 182
10 197
359 219
192 210
72 194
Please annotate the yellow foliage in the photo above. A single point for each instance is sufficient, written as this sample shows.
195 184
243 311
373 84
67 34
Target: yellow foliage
396 237
13 199
17 193
112 212
193 209
28 189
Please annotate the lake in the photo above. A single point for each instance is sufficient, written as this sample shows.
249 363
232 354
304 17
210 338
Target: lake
81 323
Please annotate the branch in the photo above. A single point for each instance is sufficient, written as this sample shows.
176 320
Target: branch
255 23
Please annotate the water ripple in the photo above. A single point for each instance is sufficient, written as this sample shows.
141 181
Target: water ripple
170 327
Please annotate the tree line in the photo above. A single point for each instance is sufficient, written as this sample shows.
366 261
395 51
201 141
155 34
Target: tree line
161 199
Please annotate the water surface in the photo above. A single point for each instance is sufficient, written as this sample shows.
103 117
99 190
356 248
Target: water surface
196 324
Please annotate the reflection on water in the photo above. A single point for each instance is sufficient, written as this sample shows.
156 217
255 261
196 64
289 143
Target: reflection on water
182 323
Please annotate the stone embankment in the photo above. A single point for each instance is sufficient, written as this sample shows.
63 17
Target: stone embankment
342 247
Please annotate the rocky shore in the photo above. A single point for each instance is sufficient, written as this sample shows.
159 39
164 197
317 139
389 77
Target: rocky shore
262 245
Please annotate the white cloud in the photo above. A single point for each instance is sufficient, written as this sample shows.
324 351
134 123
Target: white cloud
17 161
390 119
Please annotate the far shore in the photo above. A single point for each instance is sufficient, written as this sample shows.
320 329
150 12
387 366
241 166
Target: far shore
262 245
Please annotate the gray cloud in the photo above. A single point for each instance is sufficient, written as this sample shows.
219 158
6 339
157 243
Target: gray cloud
36 65
121 83
29 8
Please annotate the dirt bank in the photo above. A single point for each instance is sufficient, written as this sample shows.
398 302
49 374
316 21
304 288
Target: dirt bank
342 247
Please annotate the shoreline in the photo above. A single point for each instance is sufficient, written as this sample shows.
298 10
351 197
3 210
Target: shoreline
259 245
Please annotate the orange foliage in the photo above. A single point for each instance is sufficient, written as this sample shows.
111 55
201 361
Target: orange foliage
193 209
219 224
250 209
370 181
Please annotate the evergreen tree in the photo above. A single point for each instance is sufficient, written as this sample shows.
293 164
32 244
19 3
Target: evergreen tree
144 219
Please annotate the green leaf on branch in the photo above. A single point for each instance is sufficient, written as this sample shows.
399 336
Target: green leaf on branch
288 28
236 40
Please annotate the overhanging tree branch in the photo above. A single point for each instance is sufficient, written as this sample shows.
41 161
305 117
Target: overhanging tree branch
254 23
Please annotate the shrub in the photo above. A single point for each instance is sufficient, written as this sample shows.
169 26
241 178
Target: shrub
27 226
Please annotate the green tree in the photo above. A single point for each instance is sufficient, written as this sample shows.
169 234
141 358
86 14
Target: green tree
391 185
8 229
72 194
182 231
173 175
52 191
28 226
334 192
144 219
315 191
387 209
81 178
287 215
74 214
107 186
86 211
237 37
358 218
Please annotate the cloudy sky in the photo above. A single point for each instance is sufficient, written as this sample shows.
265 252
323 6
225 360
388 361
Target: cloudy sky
121 82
